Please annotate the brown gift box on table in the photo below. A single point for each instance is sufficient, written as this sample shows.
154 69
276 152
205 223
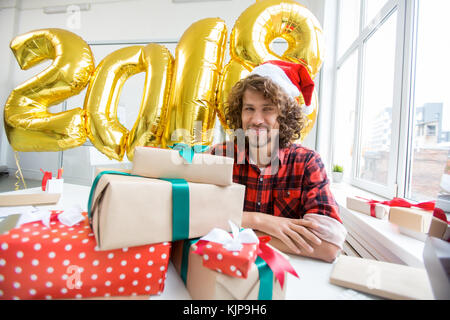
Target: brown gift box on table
417 223
130 211
206 284
384 279
167 163
361 205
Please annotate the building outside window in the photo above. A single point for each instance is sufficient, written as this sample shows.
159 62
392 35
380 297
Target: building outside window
392 102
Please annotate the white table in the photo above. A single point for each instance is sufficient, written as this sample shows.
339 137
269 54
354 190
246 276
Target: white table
314 274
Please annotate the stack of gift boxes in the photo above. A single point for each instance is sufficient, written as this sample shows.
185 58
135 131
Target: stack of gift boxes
136 222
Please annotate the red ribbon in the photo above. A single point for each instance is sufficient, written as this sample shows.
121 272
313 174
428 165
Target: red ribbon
440 214
200 244
398 202
47 175
276 261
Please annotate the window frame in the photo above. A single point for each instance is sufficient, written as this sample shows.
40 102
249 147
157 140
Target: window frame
402 103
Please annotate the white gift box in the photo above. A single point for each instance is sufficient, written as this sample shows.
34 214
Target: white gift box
54 185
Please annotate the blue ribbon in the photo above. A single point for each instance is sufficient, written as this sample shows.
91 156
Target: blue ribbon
187 152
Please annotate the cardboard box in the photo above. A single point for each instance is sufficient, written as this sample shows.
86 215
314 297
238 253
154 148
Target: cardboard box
206 284
64 262
130 211
29 199
361 205
167 163
384 279
414 222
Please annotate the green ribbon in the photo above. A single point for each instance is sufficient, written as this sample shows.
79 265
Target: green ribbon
265 273
265 280
180 203
187 152
185 258
180 208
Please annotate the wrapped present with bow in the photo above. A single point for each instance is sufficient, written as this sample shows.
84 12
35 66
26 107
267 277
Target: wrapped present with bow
127 210
53 255
230 254
381 209
222 271
183 162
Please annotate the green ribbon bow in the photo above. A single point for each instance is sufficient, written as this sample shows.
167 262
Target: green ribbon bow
265 273
180 203
187 152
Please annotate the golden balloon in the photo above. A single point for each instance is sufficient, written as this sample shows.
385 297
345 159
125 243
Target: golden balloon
267 20
28 124
233 72
198 64
104 130
152 118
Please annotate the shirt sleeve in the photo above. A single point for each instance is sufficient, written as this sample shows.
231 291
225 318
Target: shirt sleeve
316 195
329 229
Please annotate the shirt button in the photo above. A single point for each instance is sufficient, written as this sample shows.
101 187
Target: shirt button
259 203
260 179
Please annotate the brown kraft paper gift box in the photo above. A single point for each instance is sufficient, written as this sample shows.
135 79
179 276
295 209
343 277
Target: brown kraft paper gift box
167 163
130 211
361 205
417 223
206 284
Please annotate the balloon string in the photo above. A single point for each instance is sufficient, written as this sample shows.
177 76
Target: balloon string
18 171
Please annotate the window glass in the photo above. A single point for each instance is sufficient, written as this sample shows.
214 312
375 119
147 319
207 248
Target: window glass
377 98
431 110
345 113
348 24
373 8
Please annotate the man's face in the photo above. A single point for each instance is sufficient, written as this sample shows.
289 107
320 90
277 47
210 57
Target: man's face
259 118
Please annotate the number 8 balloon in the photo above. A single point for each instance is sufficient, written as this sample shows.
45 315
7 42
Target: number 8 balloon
254 31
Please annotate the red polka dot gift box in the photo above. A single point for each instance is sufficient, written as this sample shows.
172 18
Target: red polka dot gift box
233 263
62 262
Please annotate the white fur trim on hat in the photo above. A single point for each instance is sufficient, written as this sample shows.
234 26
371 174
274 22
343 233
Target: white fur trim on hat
278 76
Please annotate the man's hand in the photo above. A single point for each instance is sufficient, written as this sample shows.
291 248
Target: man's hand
293 233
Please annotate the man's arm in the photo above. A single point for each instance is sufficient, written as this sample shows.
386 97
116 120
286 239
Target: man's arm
291 235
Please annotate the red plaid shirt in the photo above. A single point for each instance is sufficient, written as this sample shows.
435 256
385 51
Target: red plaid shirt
299 186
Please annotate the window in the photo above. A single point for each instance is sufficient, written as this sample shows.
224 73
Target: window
392 102
431 98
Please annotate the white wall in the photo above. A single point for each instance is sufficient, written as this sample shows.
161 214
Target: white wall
106 21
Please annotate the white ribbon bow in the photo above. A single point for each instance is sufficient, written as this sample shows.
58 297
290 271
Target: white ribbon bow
232 242
68 217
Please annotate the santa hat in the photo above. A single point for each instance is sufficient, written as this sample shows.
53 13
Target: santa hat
292 77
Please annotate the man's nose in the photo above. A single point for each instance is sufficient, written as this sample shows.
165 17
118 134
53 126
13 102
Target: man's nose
258 118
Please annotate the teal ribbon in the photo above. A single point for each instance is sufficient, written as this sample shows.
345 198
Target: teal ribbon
180 208
265 280
265 273
180 203
185 258
187 152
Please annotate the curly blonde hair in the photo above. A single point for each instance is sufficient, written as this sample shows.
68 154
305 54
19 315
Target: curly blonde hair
291 117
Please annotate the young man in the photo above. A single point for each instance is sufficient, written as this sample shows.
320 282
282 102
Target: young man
287 190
